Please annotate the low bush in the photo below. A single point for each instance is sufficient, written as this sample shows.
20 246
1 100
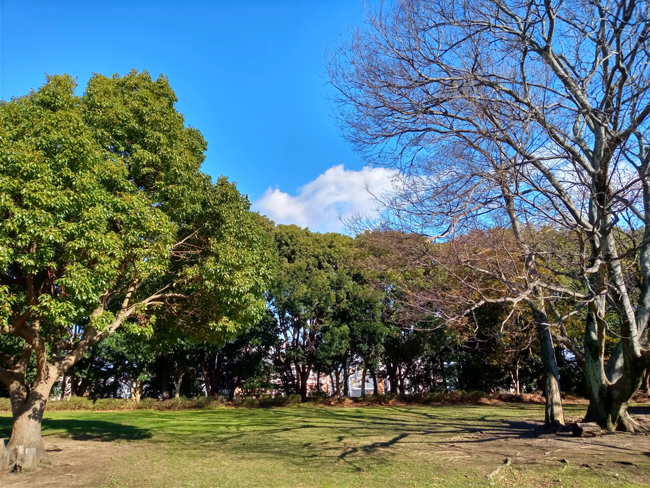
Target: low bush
266 401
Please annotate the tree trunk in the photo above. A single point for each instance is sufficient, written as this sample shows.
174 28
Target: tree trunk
73 382
206 378
400 381
216 374
608 401
177 390
304 377
554 414
375 384
391 368
646 383
136 390
27 411
363 382
515 378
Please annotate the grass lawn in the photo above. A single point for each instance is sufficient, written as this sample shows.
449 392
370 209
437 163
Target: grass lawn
311 446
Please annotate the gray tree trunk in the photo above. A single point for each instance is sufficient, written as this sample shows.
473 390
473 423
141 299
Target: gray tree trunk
27 411
554 415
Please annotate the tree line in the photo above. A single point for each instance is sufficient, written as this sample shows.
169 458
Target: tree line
331 310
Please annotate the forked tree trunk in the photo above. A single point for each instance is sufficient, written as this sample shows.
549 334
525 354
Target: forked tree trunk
608 398
135 386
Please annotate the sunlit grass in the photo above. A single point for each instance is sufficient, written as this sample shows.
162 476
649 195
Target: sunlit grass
328 447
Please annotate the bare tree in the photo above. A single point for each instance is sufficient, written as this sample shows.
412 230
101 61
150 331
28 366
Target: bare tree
524 114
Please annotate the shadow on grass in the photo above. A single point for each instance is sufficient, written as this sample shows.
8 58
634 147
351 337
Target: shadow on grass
639 410
84 430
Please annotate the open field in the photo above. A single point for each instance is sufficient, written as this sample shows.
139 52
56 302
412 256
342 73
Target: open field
327 447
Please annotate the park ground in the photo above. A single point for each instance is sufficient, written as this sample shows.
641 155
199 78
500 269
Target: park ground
310 446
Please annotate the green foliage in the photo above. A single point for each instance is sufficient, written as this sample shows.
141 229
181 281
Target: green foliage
107 221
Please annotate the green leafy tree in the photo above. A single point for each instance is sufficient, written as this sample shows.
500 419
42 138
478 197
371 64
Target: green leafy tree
309 286
107 222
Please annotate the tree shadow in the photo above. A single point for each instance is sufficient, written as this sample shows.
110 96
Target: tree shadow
84 430
638 410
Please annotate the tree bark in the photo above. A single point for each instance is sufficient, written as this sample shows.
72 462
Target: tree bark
26 428
375 384
177 390
554 414
27 410
400 381
206 378
304 377
363 382
346 378
392 377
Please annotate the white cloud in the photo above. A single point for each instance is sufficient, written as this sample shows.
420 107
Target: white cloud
321 203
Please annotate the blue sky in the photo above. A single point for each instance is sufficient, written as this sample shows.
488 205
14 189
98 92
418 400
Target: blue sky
248 73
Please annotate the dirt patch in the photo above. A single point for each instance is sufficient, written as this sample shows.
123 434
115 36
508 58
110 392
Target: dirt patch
615 455
74 463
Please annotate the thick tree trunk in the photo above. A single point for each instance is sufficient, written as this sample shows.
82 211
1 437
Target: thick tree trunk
608 401
27 411
26 428
375 384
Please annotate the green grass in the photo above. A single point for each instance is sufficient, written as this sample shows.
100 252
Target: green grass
333 447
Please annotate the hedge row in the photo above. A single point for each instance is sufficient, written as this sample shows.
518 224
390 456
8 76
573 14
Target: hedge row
111 404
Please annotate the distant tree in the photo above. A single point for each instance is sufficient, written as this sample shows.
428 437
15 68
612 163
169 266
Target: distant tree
107 222
130 359
309 285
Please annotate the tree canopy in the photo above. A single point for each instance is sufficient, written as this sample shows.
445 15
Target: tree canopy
108 222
